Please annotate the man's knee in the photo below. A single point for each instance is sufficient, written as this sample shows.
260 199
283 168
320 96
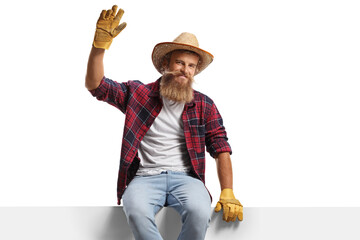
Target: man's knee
198 213
139 216
137 210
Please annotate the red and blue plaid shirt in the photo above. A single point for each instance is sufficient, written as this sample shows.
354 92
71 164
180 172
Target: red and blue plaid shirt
141 104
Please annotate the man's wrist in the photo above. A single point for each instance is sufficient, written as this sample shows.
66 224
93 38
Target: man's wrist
227 193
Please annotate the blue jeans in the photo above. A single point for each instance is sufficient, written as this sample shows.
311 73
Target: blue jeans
146 195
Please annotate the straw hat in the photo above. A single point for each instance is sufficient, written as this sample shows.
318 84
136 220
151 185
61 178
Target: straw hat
185 41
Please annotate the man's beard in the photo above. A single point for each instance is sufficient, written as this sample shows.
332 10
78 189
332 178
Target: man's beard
175 91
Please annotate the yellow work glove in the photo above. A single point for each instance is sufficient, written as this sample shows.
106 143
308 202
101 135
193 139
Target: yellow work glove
232 208
107 27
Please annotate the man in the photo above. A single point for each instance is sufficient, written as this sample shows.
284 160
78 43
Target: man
168 126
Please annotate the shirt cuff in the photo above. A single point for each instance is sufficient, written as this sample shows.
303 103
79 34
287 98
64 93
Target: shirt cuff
97 91
218 147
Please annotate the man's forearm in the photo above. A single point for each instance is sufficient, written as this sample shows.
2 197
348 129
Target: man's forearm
95 68
232 207
224 169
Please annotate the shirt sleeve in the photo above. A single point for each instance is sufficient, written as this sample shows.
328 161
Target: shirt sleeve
112 92
216 137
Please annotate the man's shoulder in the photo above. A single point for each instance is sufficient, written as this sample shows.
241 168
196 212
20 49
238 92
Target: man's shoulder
203 98
138 83
135 83
139 88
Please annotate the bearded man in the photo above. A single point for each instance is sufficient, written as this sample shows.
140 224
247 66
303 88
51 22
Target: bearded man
168 127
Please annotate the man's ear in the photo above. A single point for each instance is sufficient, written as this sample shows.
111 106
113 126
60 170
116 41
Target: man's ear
164 65
197 70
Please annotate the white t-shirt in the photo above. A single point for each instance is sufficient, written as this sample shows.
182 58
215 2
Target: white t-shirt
163 146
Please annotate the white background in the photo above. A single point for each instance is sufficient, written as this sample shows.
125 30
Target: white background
285 78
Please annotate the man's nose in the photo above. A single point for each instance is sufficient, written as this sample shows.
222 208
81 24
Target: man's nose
185 70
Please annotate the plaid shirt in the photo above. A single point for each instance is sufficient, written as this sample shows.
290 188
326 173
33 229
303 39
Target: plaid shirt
141 104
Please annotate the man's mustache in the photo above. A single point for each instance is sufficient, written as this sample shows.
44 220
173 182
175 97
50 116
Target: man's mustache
169 75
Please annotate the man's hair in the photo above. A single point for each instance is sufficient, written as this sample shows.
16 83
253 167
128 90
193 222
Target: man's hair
167 57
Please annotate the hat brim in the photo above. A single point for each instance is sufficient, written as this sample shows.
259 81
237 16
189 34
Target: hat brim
161 49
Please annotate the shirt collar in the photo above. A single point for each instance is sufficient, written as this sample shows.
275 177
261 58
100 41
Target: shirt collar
155 89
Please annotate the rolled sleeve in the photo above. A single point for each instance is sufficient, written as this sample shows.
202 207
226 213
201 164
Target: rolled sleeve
220 145
99 91
112 92
216 137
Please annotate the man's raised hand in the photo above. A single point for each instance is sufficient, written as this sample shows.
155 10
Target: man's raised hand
107 27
